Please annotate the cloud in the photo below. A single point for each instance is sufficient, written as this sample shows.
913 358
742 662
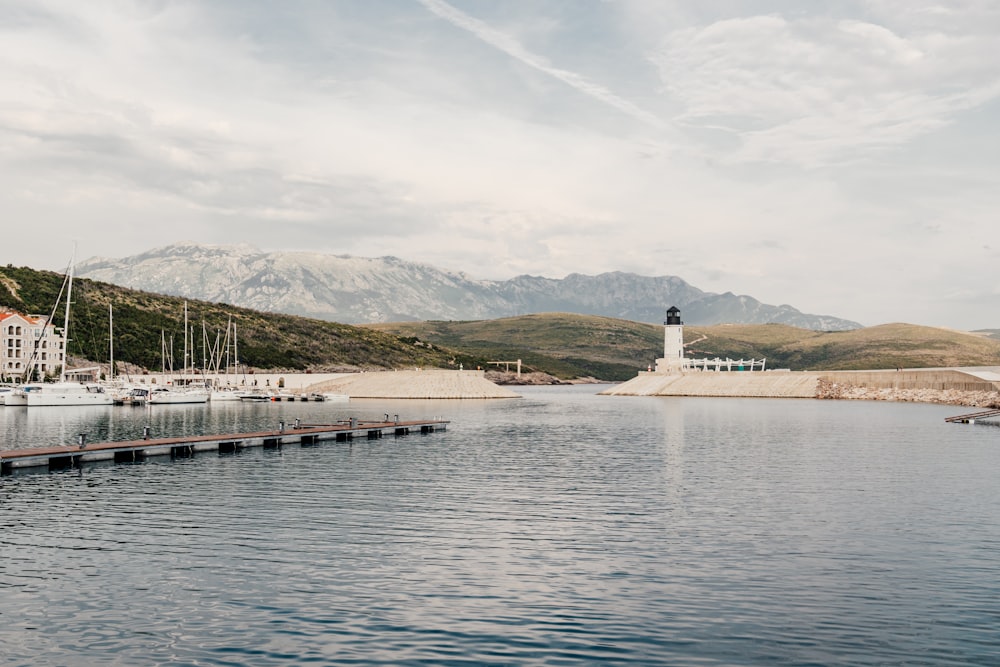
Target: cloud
513 48
818 91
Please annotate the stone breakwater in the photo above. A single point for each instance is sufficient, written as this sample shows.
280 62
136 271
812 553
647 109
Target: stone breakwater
827 389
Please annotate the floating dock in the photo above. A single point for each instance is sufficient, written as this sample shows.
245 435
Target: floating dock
972 417
66 456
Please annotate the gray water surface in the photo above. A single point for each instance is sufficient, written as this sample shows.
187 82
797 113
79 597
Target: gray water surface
564 528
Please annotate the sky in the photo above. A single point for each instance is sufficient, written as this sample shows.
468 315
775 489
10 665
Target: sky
842 157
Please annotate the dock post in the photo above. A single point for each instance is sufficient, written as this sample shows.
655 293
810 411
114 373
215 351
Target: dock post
82 440
281 427
145 433
298 423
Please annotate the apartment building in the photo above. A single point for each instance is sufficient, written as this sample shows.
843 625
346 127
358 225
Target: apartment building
30 347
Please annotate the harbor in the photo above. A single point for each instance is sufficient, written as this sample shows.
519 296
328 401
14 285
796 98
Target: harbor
654 513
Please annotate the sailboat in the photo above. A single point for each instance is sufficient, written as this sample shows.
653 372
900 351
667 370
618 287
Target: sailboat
63 392
229 392
187 392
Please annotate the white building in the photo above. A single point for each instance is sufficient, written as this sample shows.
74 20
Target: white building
674 361
29 344
673 343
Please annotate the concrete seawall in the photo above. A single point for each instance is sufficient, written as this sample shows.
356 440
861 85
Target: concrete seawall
414 384
956 386
925 378
766 384
433 383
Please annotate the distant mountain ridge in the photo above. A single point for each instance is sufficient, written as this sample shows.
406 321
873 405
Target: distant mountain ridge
355 290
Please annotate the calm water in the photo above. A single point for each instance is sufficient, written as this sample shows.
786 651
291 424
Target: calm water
561 529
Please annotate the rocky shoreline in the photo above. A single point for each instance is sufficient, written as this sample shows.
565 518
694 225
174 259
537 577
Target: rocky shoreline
976 399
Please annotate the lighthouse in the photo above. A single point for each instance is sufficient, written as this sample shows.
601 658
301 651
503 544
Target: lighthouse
673 343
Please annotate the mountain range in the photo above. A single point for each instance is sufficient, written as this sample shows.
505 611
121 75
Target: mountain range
354 290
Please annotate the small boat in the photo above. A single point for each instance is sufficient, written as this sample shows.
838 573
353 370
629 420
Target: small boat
255 396
336 398
162 395
134 396
223 394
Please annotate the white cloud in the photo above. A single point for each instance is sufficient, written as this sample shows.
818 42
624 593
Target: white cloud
816 91
513 48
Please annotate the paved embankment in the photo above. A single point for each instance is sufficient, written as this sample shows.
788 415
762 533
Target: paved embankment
953 386
764 384
414 384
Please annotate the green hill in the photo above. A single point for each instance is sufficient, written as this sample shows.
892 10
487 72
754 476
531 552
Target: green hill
266 340
570 346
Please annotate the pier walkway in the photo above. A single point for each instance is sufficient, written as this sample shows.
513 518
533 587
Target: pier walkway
972 417
63 456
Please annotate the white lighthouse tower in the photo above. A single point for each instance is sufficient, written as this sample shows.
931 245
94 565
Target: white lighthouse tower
673 343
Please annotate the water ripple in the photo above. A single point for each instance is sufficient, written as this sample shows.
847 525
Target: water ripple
562 529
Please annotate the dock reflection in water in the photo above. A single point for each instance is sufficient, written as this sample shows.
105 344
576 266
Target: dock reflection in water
564 528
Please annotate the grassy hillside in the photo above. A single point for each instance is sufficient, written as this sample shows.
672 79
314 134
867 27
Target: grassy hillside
265 340
576 345
564 345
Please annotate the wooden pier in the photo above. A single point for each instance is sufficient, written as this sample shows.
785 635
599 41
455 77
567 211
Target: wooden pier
66 456
972 417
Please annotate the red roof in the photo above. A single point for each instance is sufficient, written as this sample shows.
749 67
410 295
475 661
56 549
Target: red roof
27 318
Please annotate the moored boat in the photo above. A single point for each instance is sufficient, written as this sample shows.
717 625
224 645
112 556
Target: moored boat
18 397
162 395
67 393
223 394
134 396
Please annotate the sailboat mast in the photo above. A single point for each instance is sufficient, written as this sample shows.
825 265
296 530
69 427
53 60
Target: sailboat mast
111 341
69 298
184 371
236 351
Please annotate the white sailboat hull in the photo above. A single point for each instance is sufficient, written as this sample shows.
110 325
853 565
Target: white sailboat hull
171 397
67 393
16 398
225 395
